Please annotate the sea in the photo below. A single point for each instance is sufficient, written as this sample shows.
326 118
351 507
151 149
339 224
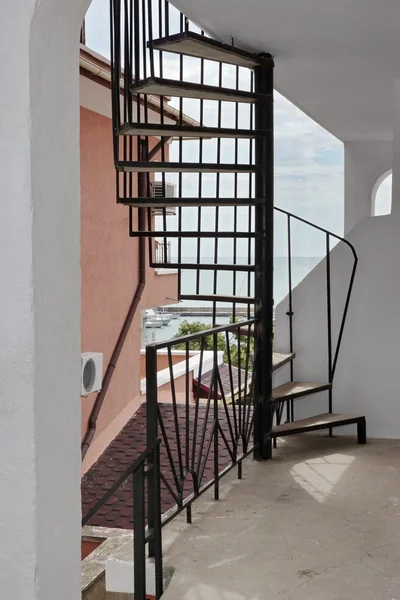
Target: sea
301 266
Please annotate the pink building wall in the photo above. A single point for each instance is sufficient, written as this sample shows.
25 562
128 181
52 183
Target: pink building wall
109 261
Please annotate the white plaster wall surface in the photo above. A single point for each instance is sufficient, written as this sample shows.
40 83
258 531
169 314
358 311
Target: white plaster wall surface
364 164
367 376
17 521
39 300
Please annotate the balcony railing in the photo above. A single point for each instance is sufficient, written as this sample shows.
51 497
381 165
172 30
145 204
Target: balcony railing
210 431
163 252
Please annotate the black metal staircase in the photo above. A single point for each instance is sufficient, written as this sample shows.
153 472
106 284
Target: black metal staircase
140 42
226 211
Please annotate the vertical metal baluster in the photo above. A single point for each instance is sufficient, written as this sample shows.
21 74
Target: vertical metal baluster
246 379
250 421
240 399
329 321
126 107
128 68
150 30
180 174
217 193
158 558
242 419
246 406
200 182
175 411
136 75
139 539
290 403
117 61
151 426
145 140
229 358
205 428
161 62
166 11
216 421
196 414
187 407
144 44
235 195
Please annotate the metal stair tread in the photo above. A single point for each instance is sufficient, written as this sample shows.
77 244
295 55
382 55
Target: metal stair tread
211 235
157 86
218 298
188 131
160 203
324 421
199 46
297 389
206 267
181 167
280 358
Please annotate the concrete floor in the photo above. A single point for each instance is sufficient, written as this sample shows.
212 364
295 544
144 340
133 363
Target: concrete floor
321 521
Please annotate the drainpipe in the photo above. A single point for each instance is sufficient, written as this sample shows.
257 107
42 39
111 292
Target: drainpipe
125 328
142 193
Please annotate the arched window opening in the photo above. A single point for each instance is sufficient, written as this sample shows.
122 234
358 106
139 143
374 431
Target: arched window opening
382 196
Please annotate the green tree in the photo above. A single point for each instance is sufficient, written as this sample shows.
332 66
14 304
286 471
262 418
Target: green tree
246 344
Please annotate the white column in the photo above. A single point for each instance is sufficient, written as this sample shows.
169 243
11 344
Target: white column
39 300
364 163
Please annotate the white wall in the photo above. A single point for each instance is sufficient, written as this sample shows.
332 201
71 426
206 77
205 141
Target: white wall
39 300
367 377
396 155
364 163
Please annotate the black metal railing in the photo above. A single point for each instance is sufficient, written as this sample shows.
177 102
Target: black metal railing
332 349
142 476
206 425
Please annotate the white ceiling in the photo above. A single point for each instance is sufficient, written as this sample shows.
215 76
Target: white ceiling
335 59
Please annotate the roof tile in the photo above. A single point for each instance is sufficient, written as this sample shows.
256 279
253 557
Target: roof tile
131 442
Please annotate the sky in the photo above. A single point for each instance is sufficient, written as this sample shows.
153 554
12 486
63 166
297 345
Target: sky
309 168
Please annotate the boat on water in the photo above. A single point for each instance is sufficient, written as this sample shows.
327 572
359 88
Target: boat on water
153 319
167 315
150 323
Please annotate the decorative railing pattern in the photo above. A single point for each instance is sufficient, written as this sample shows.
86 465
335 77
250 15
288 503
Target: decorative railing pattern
216 432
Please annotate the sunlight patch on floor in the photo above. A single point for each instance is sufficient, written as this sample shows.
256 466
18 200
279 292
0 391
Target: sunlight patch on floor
319 476
207 592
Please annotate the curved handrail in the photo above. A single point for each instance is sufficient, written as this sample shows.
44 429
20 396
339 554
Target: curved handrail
338 237
332 358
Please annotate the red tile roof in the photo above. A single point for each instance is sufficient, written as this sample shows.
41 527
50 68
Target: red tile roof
228 385
130 443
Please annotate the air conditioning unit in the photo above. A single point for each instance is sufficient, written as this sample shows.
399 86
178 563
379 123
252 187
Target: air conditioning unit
91 372
158 192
